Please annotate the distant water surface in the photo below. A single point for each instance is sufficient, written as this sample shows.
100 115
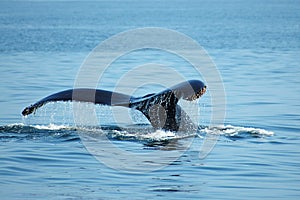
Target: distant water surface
256 47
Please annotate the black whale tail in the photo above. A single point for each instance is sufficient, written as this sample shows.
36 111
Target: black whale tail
161 109
102 97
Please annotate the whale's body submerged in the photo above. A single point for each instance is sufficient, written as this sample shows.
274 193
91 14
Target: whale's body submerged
161 109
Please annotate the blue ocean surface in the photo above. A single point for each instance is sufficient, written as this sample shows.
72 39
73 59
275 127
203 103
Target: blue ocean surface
255 46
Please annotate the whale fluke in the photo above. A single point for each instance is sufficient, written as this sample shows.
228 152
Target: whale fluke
161 109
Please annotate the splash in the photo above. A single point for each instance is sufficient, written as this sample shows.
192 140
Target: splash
52 127
157 135
230 130
139 132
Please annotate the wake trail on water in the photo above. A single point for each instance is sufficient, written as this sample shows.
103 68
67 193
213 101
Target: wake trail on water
137 133
230 130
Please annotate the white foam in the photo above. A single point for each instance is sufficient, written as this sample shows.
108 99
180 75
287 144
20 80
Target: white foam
235 130
50 127
227 130
15 124
160 135
157 135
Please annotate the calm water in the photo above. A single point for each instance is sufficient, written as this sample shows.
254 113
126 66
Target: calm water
256 47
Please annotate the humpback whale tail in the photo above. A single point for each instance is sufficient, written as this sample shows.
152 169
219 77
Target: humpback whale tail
161 109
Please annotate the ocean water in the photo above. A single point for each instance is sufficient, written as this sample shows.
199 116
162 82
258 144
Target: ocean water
255 46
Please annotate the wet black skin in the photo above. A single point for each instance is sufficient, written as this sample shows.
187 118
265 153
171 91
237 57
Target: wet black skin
161 109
